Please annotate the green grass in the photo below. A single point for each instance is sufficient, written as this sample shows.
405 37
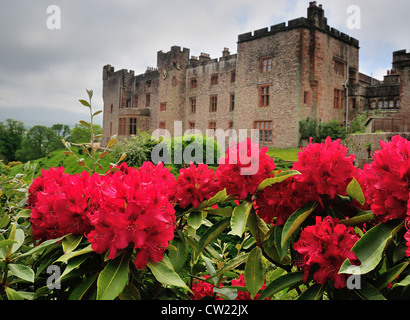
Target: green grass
58 158
284 154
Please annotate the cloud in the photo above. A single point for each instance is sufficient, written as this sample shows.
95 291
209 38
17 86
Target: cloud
44 72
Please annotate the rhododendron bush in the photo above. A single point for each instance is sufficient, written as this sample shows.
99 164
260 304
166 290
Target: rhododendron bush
243 230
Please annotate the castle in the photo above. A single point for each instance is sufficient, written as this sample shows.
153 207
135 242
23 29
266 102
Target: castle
278 77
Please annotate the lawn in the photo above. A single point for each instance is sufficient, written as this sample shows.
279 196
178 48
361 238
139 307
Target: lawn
284 154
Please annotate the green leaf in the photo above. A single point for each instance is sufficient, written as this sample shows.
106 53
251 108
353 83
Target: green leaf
280 177
254 272
84 103
288 280
41 246
368 292
111 142
97 112
71 242
5 243
179 256
79 292
195 219
358 219
405 282
257 227
212 233
389 276
277 238
217 198
295 220
165 274
369 249
113 278
230 265
239 218
314 292
21 271
13 294
67 256
355 191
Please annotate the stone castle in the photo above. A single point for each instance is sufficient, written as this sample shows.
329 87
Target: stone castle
278 77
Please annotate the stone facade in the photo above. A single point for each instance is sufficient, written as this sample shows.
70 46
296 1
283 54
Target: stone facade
279 76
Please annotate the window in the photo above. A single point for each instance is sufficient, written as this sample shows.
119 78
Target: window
397 103
133 126
306 97
112 107
148 100
122 126
191 126
230 124
162 106
232 102
194 83
265 130
161 127
380 104
266 64
110 128
135 104
373 105
213 104
338 99
192 105
264 95
149 84
340 68
212 125
214 80
391 104
174 81
385 104
233 76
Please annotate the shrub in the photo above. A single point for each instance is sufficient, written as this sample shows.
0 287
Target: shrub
137 148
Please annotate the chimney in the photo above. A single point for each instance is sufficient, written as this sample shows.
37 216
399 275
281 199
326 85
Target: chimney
316 15
226 52
204 57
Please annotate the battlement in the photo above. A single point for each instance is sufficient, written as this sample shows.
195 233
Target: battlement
175 57
205 59
315 20
109 71
401 59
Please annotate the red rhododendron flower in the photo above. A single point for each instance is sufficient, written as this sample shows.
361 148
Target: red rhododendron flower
127 208
244 295
202 289
326 170
243 168
134 209
327 245
387 179
58 204
194 185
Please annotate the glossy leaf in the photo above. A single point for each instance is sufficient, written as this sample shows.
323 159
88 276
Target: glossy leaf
280 177
179 256
21 271
295 220
164 273
67 256
355 191
390 275
71 242
239 218
79 292
288 280
254 272
314 292
113 278
369 292
195 219
369 249
212 233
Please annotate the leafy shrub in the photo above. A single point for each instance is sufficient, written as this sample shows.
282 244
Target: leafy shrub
309 128
137 148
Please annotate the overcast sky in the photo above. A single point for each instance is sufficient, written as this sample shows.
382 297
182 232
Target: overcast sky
44 72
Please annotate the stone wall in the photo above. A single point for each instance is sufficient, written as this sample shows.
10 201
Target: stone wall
364 145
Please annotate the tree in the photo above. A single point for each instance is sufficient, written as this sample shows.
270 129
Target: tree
39 141
11 136
81 133
62 130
